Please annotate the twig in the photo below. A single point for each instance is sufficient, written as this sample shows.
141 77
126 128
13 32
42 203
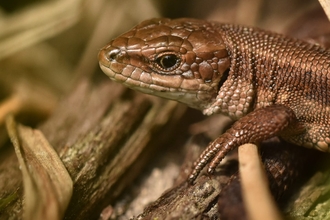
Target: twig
258 200
326 7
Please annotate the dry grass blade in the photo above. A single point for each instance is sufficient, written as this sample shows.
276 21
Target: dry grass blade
28 97
248 12
9 105
36 24
255 185
47 184
326 7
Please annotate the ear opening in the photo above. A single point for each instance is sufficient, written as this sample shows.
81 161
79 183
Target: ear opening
223 78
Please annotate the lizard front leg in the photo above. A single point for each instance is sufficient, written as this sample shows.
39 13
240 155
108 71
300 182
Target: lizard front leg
259 125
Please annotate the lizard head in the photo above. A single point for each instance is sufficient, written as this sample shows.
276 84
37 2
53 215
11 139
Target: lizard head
180 59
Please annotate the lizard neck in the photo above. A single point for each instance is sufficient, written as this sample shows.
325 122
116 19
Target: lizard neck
237 94
268 68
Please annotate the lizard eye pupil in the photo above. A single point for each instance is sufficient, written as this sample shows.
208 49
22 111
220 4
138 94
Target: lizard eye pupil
168 62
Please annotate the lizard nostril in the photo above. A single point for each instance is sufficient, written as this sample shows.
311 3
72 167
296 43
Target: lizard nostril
112 55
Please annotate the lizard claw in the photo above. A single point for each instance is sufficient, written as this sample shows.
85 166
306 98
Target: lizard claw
252 128
213 154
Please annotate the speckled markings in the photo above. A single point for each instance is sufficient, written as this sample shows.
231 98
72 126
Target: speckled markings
269 83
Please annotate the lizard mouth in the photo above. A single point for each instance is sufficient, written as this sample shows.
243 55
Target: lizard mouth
164 92
113 64
118 68
135 78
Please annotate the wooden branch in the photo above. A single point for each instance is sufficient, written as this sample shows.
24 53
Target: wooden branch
219 196
104 134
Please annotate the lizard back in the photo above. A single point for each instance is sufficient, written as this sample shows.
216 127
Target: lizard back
284 71
229 69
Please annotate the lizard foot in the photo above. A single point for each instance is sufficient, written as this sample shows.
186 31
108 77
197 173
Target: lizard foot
256 126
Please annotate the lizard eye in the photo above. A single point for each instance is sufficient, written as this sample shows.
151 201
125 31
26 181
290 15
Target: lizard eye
167 62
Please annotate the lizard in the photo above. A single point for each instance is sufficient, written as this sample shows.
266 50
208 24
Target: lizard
268 83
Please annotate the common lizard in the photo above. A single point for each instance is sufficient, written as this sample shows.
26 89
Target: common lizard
270 84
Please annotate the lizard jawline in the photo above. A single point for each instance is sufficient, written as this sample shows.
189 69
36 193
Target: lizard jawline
181 95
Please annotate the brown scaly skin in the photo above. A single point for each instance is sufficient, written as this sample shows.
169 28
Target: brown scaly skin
271 84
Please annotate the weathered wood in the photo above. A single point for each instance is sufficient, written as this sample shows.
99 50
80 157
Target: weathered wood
83 125
219 196
104 134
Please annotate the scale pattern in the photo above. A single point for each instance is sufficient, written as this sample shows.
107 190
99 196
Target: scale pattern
270 84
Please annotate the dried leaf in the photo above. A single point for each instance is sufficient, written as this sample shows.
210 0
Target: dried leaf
47 184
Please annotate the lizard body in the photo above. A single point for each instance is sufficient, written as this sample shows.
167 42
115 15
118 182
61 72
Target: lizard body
269 83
